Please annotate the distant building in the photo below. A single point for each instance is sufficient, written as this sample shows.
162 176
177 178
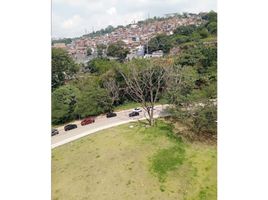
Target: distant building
157 54
147 56
130 56
140 51
59 45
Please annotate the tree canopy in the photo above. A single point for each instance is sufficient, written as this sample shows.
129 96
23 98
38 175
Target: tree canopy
159 42
118 50
63 67
64 102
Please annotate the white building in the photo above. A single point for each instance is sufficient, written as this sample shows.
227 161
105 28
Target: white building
157 54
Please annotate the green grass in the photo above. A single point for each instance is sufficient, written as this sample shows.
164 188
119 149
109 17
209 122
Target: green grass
134 163
167 160
126 106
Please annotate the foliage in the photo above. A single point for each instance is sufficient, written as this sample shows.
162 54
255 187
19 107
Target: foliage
64 102
145 80
204 33
211 16
101 49
159 42
93 100
204 120
212 27
118 50
196 69
185 30
107 30
100 65
112 86
63 67
65 41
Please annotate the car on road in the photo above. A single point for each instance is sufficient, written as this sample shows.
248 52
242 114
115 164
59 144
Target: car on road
137 110
88 120
54 132
133 114
111 114
70 127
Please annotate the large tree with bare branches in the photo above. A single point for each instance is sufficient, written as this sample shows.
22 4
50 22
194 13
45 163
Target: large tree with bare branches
110 83
145 80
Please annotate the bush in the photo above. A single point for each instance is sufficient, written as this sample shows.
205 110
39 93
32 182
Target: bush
64 102
204 120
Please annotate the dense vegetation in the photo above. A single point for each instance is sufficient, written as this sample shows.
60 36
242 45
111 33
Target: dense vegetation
185 34
188 79
108 29
64 40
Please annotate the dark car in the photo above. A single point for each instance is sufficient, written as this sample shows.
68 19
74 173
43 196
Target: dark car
87 120
54 132
70 127
133 114
111 114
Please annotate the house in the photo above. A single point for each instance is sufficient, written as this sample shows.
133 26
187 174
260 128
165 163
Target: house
157 54
147 56
59 45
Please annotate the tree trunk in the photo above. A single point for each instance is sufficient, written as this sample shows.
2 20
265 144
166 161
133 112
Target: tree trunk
151 117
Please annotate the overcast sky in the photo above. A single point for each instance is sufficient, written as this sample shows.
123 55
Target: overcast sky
71 18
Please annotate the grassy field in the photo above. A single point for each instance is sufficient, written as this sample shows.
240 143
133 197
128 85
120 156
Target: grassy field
138 163
126 106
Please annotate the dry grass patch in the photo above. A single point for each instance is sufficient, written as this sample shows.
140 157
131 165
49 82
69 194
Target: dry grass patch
129 163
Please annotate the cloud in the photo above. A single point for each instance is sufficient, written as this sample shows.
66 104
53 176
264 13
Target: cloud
111 11
72 22
70 18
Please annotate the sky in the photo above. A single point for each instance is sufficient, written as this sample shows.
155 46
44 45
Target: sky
73 18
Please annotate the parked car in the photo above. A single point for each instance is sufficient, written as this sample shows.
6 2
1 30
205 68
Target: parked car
137 110
87 121
111 114
54 132
70 127
133 114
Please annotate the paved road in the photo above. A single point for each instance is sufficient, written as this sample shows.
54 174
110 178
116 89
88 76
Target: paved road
101 122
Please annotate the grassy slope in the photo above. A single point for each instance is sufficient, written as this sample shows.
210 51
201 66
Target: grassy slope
129 163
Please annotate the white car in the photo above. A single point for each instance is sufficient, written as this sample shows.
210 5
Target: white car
137 110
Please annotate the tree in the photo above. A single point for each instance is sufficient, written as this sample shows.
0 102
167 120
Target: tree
64 40
145 80
100 50
100 65
159 42
212 27
64 102
204 120
185 30
118 50
110 83
89 52
204 33
210 17
192 89
63 67
92 100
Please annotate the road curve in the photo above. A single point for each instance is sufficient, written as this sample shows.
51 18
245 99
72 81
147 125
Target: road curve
101 123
